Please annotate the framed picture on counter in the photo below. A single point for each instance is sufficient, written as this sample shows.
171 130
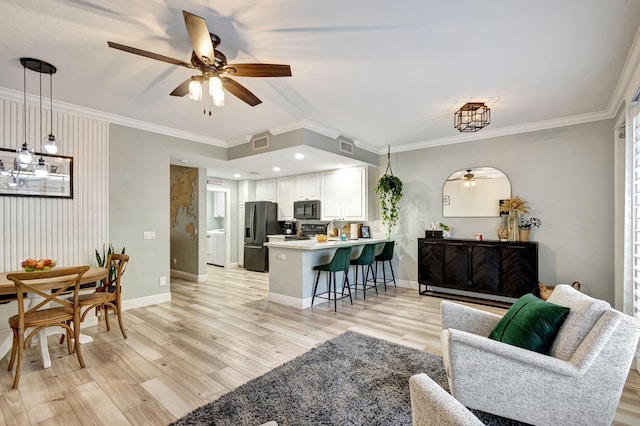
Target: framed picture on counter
365 231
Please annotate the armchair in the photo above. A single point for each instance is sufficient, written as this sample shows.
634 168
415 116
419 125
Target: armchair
579 382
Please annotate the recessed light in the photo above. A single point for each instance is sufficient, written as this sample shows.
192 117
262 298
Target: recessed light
299 156
183 161
276 169
237 175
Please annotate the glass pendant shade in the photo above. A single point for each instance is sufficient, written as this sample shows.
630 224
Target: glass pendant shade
41 169
216 91
195 90
3 169
13 182
50 144
24 154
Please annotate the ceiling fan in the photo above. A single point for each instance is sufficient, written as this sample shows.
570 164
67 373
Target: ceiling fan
213 66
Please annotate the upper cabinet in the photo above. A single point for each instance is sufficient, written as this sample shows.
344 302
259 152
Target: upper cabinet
285 189
266 190
307 187
246 191
344 194
219 204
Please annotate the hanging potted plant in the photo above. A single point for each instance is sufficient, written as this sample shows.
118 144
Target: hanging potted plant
389 192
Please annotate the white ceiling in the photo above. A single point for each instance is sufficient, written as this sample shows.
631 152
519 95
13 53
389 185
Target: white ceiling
377 71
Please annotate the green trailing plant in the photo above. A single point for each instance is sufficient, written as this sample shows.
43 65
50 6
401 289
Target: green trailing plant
389 192
101 258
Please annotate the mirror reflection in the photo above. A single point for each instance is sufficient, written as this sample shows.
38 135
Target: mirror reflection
475 192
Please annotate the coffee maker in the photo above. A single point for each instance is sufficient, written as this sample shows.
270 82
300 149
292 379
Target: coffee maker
289 228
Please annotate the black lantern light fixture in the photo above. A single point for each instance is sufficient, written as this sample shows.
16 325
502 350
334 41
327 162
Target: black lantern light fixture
472 117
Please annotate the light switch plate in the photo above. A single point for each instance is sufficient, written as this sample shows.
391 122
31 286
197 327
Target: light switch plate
149 235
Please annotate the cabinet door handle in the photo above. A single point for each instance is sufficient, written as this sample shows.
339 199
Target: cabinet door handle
517 247
455 244
485 245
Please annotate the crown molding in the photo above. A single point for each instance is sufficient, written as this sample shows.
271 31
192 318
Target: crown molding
629 69
16 96
505 131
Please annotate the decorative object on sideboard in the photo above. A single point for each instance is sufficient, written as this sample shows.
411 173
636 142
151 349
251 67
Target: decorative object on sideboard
389 192
515 206
526 224
447 231
503 227
472 117
546 290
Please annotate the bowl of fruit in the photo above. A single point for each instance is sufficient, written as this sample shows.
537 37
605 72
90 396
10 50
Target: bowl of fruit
31 265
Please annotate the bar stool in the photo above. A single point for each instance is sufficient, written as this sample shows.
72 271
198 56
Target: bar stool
386 255
365 261
340 262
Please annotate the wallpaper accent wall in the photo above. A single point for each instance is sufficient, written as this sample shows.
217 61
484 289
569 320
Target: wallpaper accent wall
67 230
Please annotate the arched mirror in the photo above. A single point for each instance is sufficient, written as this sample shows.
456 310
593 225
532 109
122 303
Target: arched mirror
475 192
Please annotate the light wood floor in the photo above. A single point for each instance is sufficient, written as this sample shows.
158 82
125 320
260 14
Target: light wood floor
211 338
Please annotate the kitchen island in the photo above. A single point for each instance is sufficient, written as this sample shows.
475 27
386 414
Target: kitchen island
291 274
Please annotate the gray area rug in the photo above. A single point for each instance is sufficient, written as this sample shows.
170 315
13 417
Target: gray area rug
350 380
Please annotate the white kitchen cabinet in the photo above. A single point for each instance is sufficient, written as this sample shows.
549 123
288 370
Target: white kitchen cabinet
266 190
285 197
246 191
307 187
344 194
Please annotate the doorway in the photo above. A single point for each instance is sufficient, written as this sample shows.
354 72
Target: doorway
218 247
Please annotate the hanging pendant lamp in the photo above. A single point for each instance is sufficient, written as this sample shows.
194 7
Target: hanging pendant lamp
41 169
50 140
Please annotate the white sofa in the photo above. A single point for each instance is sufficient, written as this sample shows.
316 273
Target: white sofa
578 383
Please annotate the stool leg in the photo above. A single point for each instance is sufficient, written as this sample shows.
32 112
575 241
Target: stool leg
345 281
384 275
364 286
392 274
375 284
335 297
315 287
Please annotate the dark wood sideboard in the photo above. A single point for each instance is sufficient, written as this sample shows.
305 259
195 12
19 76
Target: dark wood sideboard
486 270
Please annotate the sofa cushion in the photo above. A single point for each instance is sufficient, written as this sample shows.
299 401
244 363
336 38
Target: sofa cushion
530 323
585 311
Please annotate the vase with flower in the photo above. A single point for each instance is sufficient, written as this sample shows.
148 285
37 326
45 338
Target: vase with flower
515 207
526 224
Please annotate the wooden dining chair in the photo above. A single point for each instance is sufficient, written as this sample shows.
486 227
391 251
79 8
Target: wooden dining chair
107 296
61 312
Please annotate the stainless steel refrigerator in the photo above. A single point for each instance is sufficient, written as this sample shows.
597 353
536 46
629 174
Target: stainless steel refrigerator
259 221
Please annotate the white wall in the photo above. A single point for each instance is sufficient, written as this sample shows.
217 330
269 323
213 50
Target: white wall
565 174
67 230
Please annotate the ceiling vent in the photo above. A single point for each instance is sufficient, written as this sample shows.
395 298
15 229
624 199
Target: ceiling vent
346 146
261 143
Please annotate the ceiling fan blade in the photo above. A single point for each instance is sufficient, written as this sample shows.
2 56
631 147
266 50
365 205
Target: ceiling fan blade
148 54
258 70
182 89
199 37
240 91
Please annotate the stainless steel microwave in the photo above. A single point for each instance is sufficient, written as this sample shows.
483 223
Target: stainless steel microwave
309 209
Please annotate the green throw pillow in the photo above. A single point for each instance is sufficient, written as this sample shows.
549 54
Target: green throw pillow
530 323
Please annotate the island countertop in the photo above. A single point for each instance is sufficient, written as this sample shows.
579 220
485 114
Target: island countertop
312 244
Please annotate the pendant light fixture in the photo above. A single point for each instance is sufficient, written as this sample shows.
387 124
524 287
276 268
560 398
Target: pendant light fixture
24 153
41 169
50 141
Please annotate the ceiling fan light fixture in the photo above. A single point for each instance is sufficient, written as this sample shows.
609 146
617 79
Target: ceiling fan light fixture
472 117
218 98
195 90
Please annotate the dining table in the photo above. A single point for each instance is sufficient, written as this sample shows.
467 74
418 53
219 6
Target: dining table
7 287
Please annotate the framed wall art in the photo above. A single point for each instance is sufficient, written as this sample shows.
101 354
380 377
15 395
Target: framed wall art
20 180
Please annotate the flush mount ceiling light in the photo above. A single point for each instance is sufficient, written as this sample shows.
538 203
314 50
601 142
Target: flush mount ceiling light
472 117
299 156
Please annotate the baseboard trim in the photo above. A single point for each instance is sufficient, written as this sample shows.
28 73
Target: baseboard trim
140 302
187 276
